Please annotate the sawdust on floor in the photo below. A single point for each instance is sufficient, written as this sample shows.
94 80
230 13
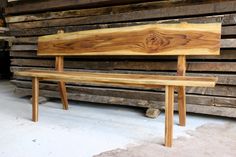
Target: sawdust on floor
206 141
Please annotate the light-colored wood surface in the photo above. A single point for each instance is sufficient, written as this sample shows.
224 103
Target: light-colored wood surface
121 79
169 115
152 39
35 98
59 63
59 66
181 70
63 93
182 105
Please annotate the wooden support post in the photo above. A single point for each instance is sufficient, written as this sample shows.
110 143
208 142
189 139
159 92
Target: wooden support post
169 115
61 84
181 69
63 93
59 65
35 98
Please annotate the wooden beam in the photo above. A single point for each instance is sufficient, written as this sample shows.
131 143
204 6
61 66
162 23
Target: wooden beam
226 55
169 115
223 79
59 66
227 19
226 30
229 30
149 98
64 4
35 98
225 43
223 90
192 107
93 11
228 43
181 70
151 81
24 47
131 65
152 39
200 9
26 40
45 19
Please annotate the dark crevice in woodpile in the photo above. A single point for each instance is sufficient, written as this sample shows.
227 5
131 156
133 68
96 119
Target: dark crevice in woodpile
4 48
29 19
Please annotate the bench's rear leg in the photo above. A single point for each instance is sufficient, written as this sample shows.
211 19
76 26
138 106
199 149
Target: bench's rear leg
182 106
169 113
59 65
35 98
62 90
181 70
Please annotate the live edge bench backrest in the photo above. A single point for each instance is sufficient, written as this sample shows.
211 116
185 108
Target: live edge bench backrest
153 39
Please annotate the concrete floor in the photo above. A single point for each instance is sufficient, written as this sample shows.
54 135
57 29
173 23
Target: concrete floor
84 130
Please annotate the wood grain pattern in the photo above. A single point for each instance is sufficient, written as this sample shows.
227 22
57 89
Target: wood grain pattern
61 4
223 79
121 79
134 15
219 90
35 98
131 65
226 30
181 70
169 115
92 11
64 20
59 66
152 39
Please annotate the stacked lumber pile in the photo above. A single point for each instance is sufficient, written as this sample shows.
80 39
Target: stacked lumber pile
27 20
4 53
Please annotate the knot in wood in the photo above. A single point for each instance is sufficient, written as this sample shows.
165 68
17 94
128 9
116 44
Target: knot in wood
155 41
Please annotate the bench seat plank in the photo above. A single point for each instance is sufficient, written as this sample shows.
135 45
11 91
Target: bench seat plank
121 79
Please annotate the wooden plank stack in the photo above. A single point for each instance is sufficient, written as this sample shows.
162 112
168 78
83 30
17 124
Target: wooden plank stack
27 20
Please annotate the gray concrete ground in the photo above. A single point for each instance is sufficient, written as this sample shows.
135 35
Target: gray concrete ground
87 130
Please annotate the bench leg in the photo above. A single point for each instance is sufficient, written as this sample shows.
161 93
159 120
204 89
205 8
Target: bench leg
35 98
182 106
169 113
181 70
62 90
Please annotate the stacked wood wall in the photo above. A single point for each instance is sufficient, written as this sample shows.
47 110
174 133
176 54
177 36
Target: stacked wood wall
29 19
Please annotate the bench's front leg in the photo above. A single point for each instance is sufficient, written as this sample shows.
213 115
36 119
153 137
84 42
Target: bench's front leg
35 98
169 113
182 106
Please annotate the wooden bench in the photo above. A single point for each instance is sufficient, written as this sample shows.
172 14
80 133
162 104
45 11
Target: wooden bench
145 40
